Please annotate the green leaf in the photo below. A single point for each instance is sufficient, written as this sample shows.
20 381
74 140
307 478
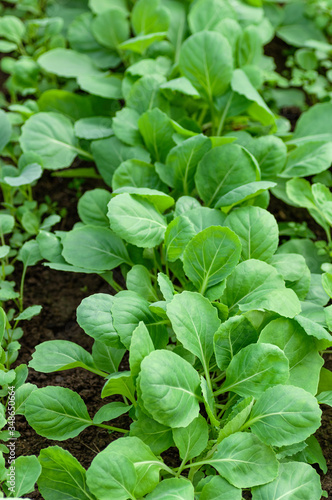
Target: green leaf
285 415
271 154
140 43
139 280
157 436
21 395
7 223
207 15
29 253
99 6
244 193
314 125
293 478
51 136
12 28
223 169
7 46
257 230
110 412
256 368
100 248
27 471
172 399
141 345
194 321
6 130
107 86
192 440
182 160
111 474
56 413
325 398
62 475
258 109
166 287
125 126
29 313
107 358
315 330
145 94
177 488
257 285
136 173
67 63
128 310
205 56
94 316
300 350
135 451
27 175
111 27
231 337
160 200
57 355
157 132
211 256
92 207
119 383
220 489
181 85
110 153
149 17
136 221
308 159
237 418
94 127
245 461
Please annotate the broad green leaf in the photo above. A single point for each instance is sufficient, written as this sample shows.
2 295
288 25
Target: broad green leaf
139 44
182 160
181 85
136 173
175 488
7 223
94 316
62 475
166 286
92 207
284 415
145 95
220 489
139 280
157 132
149 17
128 310
300 350
223 169
173 398
184 204
67 63
57 355
244 193
323 200
95 127
231 337
27 471
29 253
256 368
237 418
107 86
314 125
112 474
308 159
6 130
307 249
295 272
125 126
107 358
271 154
211 256
209 401
140 346
160 200
51 136
205 56
313 454
100 248
257 230
184 227
194 321
12 28
56 413
29 313
27 175
21 395
258 110
257 285
315 330
110 412
110 28
325 398
110 153
157 436
99 6
133 449
136 221
119 383
192 440
207 15
245 461
295 480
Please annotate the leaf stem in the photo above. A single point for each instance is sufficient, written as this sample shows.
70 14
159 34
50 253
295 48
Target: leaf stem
224 114
111 428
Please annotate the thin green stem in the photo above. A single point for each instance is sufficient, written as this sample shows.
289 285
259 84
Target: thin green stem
111 428
224 114
22 289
